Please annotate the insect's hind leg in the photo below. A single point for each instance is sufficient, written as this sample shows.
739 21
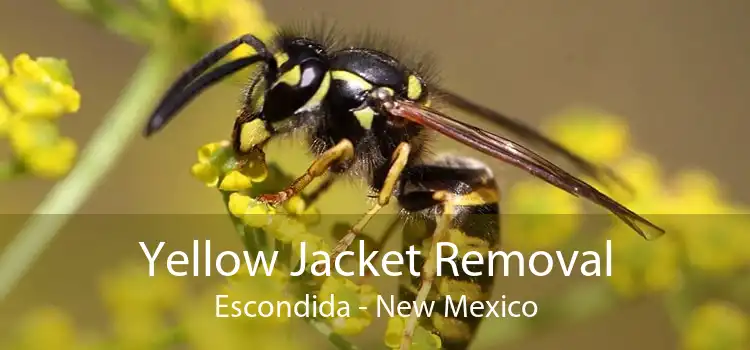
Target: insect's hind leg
398 164
456 200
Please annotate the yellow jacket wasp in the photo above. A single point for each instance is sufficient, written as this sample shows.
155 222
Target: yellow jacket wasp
367 114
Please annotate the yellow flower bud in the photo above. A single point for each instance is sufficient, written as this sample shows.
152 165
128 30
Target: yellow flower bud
422 338
42 87
235 181
27 135
295 205
207 151
285 229
258 215
40 99
547 216
199 10
351 325
716 325
48 328
205 173
247 17
238 204
598 136
310 216
313 243
54 161
5 117
354 295
643 266
4 69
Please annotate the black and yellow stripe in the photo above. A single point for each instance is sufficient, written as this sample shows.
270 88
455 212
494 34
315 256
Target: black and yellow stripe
475 226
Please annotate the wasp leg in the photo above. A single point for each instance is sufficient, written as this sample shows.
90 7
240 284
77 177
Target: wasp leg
429 269
315 194
341 152
398 163
455 200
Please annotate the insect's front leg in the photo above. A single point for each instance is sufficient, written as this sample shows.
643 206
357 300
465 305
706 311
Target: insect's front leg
341 152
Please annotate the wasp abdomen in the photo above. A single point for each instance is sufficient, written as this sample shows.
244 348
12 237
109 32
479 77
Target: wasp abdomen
474 227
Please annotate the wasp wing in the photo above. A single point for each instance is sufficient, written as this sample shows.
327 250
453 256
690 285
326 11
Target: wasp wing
529 134
519 156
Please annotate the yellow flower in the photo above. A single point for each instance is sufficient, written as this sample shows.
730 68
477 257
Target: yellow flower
244 17
714 236
38 144
41 88
235 181
261 287
716 325
207 152
640 266
137 303
250 211
205 173
4 69
642 172
313 243
539 216
199 10
355 296
129 289
47 328
285 228
204 331
422 340
295 205
215 161
53 161
6 116
597 136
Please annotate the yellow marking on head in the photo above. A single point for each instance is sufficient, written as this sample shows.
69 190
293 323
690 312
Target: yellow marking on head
281 58
414 88
320 94
481 196
365 117
252 134
291 77
351 78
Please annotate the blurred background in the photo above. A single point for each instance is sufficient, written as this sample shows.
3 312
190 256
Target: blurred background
674 71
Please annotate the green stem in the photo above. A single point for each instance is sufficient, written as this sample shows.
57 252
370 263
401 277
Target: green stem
101 154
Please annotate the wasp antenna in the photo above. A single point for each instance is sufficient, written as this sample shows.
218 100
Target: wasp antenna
191 83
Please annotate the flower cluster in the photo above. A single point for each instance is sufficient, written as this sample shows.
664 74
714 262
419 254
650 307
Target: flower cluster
706 233
717 325
289 226
37 92
703 233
